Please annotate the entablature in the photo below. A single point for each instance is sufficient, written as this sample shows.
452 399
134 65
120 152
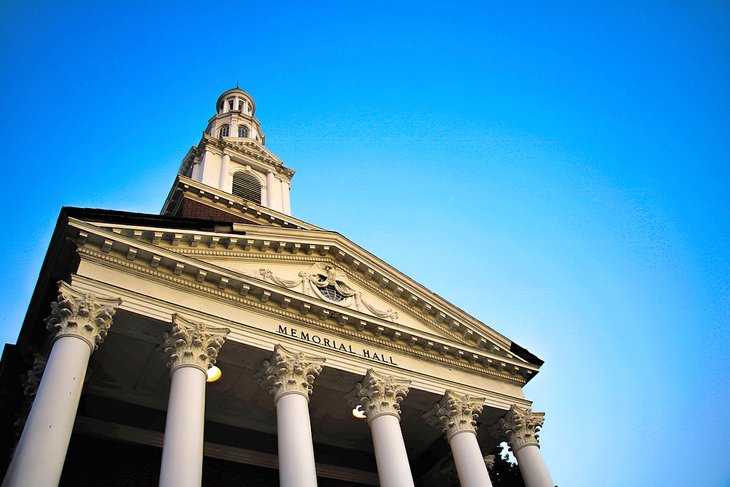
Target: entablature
175 256
249 151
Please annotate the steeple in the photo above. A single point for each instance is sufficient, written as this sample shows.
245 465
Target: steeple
231 156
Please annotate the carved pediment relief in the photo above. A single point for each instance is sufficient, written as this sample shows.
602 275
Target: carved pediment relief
325 282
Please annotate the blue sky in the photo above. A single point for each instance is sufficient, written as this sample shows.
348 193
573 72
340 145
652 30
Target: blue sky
560 172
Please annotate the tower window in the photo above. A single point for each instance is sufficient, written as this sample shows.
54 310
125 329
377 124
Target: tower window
243 131
247 186
223 131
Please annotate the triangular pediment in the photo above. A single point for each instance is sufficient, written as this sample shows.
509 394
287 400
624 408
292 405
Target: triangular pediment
313 271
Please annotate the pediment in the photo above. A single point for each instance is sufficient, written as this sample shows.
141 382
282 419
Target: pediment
317 272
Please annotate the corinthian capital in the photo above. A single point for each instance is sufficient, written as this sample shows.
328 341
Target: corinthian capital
289 372
81 315
193 344
519 426
455 413
379 394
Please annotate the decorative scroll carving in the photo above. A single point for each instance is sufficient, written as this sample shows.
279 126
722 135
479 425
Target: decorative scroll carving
379 394
289 373
519 426
193 344
322 275
82 315
455 413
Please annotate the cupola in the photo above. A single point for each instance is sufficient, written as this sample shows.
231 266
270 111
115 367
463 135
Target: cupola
231 156
235 117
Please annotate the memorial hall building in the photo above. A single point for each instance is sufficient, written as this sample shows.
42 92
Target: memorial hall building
225 342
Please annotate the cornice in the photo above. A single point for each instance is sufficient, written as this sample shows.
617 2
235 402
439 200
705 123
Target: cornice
249 149
180 245
376 276
185 187
164 264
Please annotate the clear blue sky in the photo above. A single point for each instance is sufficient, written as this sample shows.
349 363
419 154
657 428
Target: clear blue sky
560 172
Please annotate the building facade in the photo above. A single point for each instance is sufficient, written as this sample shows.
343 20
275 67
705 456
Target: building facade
225 342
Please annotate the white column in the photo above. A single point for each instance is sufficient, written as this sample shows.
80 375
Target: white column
80 322
210 168
532 467
225 162
380 397
273 196
192 347
287 197
195 174
289 377
456 415
520 427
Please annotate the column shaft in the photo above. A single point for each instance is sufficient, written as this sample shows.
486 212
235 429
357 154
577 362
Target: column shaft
390 452
532 467
470 466
294 433
286 188
223 180
41 452
182 452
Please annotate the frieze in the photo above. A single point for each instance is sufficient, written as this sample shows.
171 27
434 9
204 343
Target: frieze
336 344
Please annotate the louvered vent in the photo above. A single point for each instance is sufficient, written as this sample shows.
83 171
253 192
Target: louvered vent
247 186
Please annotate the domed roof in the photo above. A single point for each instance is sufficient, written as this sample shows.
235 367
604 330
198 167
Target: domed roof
236 91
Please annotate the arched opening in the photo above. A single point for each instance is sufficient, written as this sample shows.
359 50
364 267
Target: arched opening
247 186
243 131
223 131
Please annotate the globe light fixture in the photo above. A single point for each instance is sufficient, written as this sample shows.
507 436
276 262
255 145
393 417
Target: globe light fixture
214 373
358 412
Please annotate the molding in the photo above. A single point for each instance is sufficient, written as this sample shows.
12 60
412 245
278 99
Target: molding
378 276
255 298
491 354
185 187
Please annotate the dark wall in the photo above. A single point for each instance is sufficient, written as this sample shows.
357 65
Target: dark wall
105 463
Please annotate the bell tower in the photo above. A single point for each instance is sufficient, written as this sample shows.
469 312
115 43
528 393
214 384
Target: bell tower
232 156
